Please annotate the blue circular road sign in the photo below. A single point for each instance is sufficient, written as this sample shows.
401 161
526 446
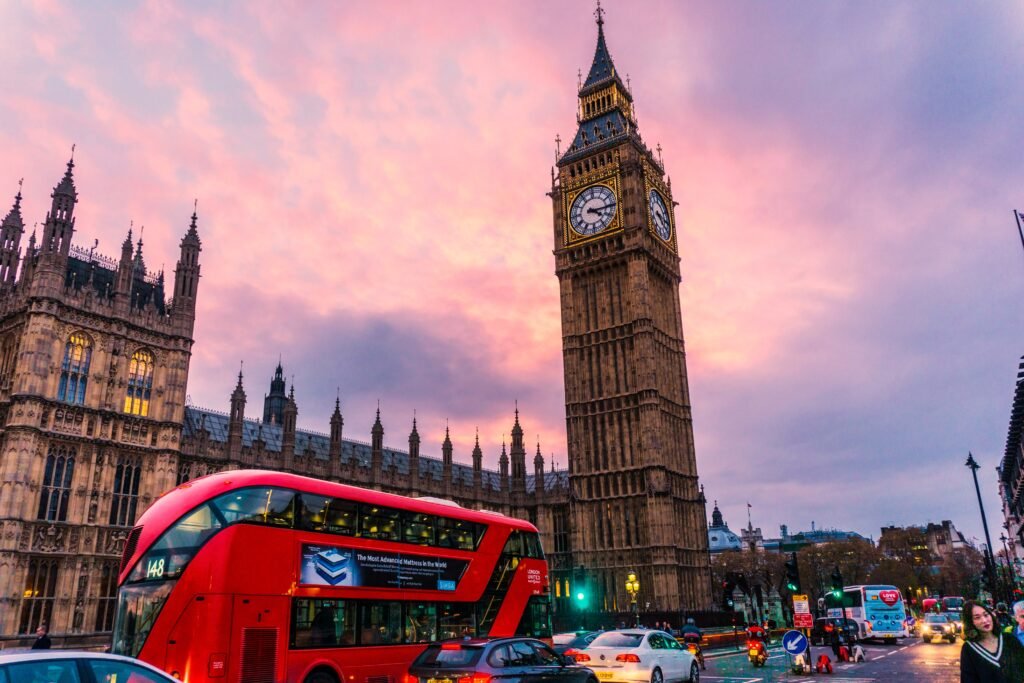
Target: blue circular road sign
794 642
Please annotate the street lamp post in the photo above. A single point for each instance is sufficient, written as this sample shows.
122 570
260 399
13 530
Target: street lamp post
973 465
633 588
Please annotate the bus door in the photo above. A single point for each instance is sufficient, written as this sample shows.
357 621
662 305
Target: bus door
258 638
198 642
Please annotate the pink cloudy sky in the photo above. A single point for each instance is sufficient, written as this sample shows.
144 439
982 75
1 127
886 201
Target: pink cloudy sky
371 180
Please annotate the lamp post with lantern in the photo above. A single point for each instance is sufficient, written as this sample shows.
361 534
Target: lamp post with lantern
633 588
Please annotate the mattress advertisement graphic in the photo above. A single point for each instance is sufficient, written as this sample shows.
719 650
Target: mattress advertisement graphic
328 565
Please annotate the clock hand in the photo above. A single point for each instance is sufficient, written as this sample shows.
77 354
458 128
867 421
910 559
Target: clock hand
599 209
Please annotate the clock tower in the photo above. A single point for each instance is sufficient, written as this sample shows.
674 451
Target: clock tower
635 501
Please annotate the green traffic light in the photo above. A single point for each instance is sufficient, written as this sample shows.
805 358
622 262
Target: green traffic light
581 596
791 587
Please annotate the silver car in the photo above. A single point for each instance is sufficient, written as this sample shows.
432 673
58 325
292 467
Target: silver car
72 666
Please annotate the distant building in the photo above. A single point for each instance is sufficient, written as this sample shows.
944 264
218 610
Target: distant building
720 537
930 543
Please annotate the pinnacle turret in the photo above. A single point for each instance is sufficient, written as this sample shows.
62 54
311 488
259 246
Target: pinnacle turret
11 230
60 221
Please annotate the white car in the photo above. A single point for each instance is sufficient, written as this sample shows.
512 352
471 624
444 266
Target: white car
71 666
638 656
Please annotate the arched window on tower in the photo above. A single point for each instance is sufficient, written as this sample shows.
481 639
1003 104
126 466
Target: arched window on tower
126 492
140 383
74 371
60 470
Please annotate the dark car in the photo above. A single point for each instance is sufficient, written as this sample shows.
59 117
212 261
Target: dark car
576 640
526 660
821 634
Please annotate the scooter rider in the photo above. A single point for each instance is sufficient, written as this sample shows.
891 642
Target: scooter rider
692 636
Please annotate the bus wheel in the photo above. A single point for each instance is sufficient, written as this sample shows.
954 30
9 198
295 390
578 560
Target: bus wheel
322 676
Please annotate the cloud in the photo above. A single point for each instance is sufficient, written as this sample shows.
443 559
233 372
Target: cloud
371 182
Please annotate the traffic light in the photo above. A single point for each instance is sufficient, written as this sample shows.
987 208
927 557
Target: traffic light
728 585
837 583
580 591
792 575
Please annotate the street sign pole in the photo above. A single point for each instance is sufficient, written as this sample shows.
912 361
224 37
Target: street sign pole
802 619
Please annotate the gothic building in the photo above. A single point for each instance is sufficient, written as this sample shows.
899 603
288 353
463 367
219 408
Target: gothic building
214 441
94 361
93 367
636 503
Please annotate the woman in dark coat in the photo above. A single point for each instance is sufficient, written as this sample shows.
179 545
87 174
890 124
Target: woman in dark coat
988 655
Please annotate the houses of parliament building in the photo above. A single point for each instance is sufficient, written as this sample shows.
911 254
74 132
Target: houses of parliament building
94 425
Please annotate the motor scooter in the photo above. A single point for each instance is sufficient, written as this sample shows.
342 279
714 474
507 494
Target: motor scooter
693 645
757 652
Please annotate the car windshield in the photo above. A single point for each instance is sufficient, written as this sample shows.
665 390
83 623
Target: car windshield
451 655
936 619
618 640
563 638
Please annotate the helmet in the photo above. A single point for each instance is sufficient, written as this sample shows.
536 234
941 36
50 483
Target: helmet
689 620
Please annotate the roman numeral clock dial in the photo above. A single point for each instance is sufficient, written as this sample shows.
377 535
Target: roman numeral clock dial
592 210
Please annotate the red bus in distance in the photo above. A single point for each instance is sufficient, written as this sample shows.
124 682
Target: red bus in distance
256 576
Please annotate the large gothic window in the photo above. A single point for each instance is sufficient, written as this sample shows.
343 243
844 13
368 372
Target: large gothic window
107 598
40 590
126 492
140 383
60 468
74 371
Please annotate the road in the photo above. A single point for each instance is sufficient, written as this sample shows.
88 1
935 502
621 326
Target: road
910 660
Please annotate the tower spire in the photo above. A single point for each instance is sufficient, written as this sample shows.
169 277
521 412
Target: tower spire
11 230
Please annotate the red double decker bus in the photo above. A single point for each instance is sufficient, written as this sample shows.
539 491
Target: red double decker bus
253 576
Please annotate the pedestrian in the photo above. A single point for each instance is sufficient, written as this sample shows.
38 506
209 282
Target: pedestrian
988 655
1018 615
42 638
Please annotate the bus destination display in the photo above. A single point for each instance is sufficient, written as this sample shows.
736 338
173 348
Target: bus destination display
328 565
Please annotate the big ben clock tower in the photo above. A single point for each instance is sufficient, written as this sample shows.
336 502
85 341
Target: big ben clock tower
636 505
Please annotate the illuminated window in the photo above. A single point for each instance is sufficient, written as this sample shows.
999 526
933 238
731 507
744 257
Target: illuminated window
40 589
140 383
74 371
53 499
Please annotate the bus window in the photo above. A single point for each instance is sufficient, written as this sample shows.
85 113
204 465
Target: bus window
322 623
379 522
271 506
172 552
531 544
327 515
381 623
456 533
421 622
514 545
456 620
536 621
418 528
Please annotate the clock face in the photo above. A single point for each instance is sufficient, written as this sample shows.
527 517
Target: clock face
592 210
659 216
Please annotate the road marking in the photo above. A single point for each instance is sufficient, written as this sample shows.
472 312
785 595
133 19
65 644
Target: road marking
731 678
873 659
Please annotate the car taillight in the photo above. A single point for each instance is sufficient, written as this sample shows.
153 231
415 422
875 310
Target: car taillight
475 678
577 655
627 658
409 678
451 646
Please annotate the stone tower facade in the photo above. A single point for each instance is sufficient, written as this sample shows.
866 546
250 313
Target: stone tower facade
93 367
635 502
